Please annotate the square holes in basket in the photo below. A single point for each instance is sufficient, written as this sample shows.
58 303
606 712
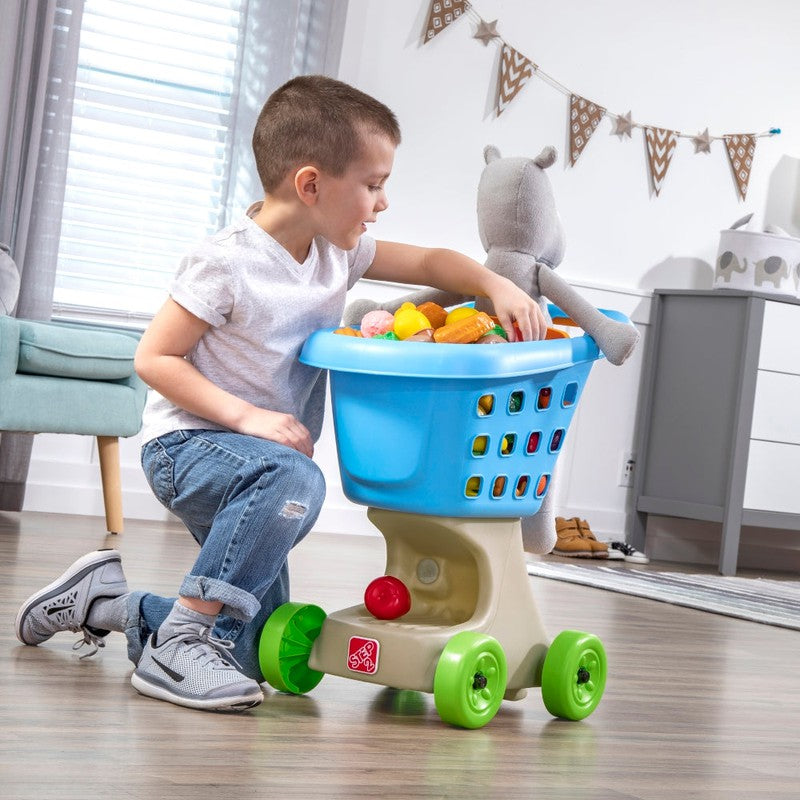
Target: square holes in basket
529 434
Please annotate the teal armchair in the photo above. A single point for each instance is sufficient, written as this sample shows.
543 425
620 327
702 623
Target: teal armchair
63 377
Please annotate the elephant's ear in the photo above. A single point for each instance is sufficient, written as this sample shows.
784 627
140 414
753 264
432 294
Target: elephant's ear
491 153
546 158
742 222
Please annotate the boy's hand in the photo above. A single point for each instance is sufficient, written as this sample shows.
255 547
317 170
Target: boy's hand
513 305
278 427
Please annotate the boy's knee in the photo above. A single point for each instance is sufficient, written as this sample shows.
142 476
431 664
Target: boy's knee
313 484
303 484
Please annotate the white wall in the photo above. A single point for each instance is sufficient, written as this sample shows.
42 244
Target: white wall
686 65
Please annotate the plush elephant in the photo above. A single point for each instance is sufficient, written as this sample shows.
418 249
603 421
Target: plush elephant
524 241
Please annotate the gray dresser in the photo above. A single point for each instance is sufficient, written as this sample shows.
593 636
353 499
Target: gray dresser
718 428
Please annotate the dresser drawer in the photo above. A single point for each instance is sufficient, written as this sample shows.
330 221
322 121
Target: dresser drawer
780 338
772 470
776 412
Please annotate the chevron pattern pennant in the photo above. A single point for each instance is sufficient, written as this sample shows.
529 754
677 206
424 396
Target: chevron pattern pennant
741 149
442 13
660 147
515 71
584 117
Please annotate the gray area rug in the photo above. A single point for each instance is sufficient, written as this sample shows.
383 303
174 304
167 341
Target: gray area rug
755 599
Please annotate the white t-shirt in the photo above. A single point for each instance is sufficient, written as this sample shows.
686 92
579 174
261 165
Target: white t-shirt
262 306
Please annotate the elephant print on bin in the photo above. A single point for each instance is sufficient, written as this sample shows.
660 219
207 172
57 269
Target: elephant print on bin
773 269
727 264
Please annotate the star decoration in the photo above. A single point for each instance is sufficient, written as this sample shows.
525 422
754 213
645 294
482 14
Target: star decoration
623 126
702 142
486 32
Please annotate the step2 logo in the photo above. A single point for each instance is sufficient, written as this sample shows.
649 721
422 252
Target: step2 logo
362 655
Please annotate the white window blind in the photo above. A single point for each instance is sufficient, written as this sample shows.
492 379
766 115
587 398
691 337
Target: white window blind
149 157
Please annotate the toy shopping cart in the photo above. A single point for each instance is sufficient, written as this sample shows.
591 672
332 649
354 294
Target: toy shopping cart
449 445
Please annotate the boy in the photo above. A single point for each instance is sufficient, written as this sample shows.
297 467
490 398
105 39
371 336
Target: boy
228 439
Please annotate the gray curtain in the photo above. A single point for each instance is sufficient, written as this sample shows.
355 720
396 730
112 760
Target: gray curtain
281 39
38 57
39 41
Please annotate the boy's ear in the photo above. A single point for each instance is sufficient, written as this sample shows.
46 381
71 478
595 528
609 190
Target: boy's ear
306 184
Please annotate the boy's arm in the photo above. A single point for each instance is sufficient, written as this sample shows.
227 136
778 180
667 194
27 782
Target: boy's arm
160 363
454 272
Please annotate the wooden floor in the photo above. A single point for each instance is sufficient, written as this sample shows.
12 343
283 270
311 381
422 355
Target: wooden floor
697 705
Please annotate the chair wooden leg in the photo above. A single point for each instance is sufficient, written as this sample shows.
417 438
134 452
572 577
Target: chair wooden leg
108 448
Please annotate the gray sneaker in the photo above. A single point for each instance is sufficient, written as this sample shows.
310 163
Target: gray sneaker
64 604
193 669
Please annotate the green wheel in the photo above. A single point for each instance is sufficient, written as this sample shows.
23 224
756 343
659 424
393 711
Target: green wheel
470 680
285 645
574 675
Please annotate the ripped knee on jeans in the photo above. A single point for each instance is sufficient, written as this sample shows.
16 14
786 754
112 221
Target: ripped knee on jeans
292 509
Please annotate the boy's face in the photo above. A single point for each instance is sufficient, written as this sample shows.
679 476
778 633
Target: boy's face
348 202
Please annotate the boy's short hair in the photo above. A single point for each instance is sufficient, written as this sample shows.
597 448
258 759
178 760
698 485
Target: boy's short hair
316 120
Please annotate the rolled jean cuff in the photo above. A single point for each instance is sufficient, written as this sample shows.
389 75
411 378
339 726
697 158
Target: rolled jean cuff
236 603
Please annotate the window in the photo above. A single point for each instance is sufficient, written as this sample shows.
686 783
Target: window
149 157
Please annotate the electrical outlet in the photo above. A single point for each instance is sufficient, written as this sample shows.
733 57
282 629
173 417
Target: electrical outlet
627 467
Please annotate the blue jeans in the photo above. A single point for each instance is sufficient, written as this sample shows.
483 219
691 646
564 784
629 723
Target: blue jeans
247 502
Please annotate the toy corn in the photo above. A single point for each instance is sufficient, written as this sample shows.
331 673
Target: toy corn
464 331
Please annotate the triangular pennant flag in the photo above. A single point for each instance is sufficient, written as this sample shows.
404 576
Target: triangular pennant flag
515 71
741 148
584 117
442 13
660 147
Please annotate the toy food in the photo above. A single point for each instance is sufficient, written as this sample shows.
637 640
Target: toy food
460 313
408 321
434 312
485 404
387 597
555 333
376 322
473 486
498 329
492 338
349 332
425 335
464 330
479 445
543 399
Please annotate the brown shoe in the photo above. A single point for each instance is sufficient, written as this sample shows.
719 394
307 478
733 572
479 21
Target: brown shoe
569 541
599 549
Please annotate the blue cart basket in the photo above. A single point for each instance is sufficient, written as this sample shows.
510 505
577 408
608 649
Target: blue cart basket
451 429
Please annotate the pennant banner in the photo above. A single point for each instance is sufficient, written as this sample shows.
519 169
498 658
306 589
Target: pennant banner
442 13
584 117
741 149
660 147
515 71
